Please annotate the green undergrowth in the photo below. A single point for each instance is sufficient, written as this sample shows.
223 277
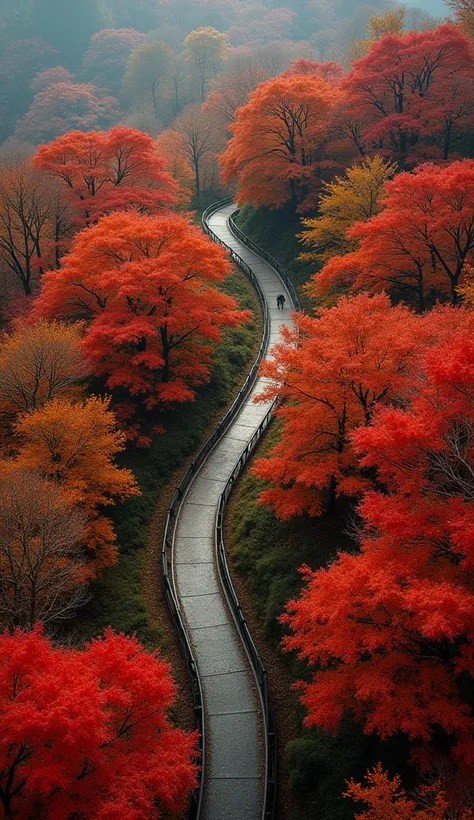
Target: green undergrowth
276 231
268 553
117 597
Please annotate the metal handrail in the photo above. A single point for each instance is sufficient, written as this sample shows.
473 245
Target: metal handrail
271 750
268 258
171 596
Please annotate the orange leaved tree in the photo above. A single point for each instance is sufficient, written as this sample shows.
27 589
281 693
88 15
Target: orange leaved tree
398 617
278 152
421 243
86 733
349 360
145 286
42 561
76 445
385 798
109 171
38 363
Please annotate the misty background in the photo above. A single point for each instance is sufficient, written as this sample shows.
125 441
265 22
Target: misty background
89 64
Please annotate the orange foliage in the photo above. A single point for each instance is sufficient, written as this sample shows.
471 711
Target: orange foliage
280 150
76 445
349 360
386 799
38 363
145 287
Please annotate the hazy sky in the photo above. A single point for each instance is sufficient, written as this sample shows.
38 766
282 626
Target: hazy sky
436 7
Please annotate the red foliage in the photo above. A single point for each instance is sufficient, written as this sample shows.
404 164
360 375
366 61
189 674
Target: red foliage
422 241
390 631
349 360
412 95
85 733
144 285
109 171
330 71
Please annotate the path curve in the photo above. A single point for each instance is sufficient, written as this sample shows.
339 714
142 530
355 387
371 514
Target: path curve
234 773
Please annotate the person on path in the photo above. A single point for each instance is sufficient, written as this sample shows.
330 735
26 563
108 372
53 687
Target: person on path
281 301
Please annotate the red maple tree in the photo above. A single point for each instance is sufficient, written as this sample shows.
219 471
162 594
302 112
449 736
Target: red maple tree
412 95
419 246
332 371
85 733
109 171
398 618
145 286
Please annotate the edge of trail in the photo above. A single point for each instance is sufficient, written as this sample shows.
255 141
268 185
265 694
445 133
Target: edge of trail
238 782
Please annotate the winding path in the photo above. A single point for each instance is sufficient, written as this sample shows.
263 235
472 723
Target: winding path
235 761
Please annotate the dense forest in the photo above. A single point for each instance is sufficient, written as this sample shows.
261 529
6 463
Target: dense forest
344 132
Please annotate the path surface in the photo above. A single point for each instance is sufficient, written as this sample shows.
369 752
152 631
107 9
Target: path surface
234 749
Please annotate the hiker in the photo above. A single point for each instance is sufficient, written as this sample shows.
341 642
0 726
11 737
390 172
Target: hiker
281 301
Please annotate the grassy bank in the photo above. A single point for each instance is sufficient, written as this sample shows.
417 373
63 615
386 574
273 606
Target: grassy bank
265 555
277 233
118 597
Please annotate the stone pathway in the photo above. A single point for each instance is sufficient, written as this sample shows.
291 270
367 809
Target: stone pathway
234 750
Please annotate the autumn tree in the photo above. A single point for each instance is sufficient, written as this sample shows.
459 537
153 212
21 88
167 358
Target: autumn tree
66 106
39 362
205 51
51 76
278 150
392 22
42 569
108 171
107 56
356 197
421 242
464 11
171 147
28 207
411 96
145 286
197 141
20 61
385 797
398 616
75 444
349 360
233 87
86 733
147 73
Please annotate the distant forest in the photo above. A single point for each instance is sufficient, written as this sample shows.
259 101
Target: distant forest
93 53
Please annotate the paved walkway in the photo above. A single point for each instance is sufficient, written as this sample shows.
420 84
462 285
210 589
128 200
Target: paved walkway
234 748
